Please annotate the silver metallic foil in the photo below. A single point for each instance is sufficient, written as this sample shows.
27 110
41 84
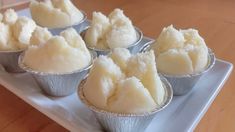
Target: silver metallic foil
9 60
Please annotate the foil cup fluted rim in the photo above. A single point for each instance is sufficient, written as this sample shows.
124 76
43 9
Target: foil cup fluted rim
137 42
168 98
77 23
147 46
30 70
211 63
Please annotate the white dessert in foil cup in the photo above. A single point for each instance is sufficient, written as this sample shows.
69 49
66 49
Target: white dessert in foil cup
15 34
59 64
114 31
125 89
57 15
182 57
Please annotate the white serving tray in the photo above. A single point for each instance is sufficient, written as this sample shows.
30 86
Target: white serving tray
183 113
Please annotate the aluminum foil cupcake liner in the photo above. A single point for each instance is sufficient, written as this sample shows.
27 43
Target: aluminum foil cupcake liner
9 60
58 84
185 83
117 122
132 48
182 84
79 27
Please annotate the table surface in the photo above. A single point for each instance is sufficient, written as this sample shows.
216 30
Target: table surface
215 20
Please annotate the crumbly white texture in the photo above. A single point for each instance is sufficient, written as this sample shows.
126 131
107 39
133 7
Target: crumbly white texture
55 13
23 29
125 83
5 34
180 52
15 31
10 17
60 54
40 36
114 31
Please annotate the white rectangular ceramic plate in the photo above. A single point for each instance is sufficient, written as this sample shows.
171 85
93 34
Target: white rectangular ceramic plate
183 113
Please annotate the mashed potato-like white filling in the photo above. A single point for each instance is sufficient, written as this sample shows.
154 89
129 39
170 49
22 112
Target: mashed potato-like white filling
40 36
5 34
114 31
10 17
125 83
15 31
60 54
55 13
180 52
22 31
